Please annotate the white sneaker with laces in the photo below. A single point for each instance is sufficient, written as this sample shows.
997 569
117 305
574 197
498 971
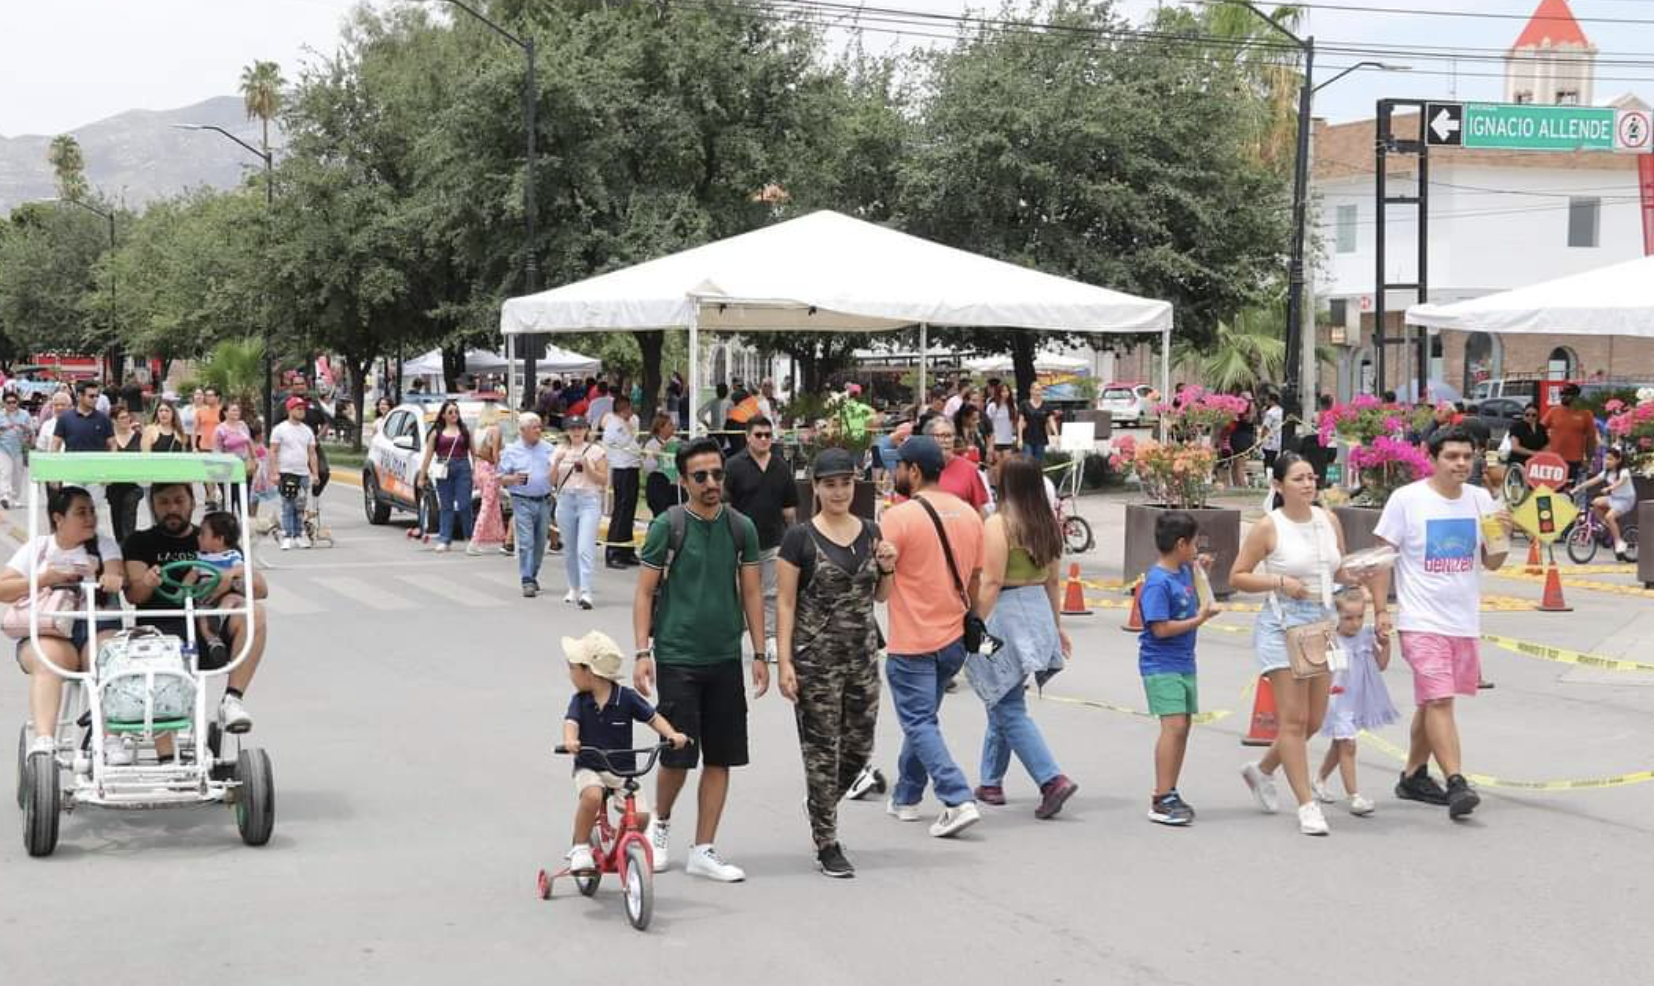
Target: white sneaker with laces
955 820
1310 819
116 753
286 544
1319 789
585 600
1263 788
43 744
902 813
570 596
704 861
659 834
1360 806
441 547
579 859
233 715
304 540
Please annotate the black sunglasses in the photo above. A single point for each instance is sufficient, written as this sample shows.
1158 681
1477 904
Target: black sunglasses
701 475
761 434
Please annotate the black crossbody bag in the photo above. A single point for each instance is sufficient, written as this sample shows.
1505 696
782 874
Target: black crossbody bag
975 630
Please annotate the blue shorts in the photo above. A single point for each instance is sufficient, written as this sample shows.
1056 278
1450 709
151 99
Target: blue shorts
1269 632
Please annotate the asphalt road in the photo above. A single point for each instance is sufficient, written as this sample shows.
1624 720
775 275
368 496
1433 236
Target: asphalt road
410 702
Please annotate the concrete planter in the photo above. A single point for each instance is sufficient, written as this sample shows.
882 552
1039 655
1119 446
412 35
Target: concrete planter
1358 524
1645 556
1219 536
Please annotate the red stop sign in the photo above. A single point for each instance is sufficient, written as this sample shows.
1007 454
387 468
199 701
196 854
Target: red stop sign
1547 469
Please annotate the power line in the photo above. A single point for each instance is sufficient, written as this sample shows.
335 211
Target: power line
1466 14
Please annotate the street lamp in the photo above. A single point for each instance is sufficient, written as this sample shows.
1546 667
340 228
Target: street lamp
269 205
110 217
531 266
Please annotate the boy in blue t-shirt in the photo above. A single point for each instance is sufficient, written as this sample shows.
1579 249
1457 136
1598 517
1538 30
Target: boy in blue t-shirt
1172 614
600 716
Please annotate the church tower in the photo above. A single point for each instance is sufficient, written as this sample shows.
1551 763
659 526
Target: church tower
1552 62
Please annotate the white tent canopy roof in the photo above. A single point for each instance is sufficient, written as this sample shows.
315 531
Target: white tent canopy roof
1043 362
1613 300
476 361
829 272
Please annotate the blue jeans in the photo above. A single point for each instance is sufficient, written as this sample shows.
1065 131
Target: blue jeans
1010 729
531 519
578 514
1035 452
292 514
453 497
917 683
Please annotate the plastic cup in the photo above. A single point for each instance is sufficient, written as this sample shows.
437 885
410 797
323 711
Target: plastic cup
1494 536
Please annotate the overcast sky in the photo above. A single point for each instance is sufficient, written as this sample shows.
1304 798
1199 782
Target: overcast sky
71 62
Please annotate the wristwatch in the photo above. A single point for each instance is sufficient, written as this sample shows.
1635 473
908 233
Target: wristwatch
647 652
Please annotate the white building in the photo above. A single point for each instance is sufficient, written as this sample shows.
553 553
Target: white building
1498 219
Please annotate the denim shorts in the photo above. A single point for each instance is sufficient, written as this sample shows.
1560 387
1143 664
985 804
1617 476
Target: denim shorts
1269 632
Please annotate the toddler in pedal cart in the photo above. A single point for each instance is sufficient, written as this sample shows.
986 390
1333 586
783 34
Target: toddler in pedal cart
600 717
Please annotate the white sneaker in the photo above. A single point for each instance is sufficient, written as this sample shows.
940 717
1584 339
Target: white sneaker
659 833
233 716
579 859
1263 788
902 813
1319 789
43 744
304 540
116 753
570 596
441 547
585 600
472 549
1360 807
1310 819
955 820
704 861
286 544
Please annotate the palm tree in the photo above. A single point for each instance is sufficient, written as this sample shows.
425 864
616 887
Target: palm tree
1247 351
236 368
68 167
261 84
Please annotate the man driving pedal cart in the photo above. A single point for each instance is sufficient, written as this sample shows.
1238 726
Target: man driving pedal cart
175 537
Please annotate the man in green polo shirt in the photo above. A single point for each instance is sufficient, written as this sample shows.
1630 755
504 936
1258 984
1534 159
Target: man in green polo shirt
709 591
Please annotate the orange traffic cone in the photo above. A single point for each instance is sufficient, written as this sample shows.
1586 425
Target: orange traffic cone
1264 724
1073 600
1533 567
1553 601
1134 622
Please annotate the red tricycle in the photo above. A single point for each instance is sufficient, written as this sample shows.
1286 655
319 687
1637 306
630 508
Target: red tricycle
618 843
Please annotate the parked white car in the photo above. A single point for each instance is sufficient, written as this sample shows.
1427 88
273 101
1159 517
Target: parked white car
398 447
1127 403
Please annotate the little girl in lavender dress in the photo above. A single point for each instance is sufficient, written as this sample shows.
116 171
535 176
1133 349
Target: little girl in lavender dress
1359 699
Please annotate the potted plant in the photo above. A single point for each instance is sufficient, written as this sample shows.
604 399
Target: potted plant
1379 457
1632 428
1176 476
1198 415
835 421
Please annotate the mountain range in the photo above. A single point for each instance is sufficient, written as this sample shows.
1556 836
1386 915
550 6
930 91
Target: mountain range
136 156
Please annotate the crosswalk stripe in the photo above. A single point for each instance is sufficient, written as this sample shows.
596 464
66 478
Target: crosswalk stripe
284 600
366 593
448 588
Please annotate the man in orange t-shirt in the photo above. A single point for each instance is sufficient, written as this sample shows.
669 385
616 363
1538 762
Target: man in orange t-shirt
926 630
1573 432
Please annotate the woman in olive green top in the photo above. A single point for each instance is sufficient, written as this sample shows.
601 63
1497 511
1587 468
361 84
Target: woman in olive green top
1019 600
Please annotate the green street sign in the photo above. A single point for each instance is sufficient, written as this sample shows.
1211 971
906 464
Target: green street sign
1527 127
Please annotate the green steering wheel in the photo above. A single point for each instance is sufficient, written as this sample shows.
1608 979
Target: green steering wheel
174 589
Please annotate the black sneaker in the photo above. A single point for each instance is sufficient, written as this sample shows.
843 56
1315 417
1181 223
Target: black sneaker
832 863
1185 804
1420 786
1461 798
1169 809
217 653
530 590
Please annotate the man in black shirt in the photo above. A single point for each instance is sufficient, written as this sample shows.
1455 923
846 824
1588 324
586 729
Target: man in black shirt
84 428
174 538
760 484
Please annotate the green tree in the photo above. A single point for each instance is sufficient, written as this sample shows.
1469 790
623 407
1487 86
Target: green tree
48 271
261 84
236 368
68 167
1245 352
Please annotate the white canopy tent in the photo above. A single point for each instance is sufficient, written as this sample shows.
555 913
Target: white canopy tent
1043 363
1613 300
476 361
827 272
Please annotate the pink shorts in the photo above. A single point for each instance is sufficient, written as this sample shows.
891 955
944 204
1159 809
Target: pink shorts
1442 666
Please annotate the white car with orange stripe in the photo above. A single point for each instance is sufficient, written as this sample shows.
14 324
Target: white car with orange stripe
398 447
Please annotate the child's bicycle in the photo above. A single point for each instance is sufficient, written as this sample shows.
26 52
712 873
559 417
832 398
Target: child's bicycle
618 844
1589 532
1076 530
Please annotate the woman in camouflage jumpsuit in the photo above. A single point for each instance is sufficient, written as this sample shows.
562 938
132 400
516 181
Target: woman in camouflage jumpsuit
832 569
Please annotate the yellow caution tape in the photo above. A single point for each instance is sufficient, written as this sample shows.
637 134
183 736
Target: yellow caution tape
1562 655
1199 718
1593 585
1484 780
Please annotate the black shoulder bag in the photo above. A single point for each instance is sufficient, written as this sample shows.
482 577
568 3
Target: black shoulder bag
975 630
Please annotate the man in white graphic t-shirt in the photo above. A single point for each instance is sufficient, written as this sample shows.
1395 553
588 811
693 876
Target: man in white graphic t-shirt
1435 525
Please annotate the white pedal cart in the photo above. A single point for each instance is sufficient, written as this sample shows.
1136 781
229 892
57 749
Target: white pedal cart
142 684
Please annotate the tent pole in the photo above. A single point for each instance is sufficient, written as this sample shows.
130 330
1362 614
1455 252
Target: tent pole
694 369
919 399
510 375
1165 373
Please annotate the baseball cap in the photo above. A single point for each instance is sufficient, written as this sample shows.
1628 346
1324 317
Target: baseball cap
921 451
293 402
853 389
574 421
597 651
834 462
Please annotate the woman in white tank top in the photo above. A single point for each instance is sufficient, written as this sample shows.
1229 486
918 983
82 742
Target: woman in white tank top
1293 555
